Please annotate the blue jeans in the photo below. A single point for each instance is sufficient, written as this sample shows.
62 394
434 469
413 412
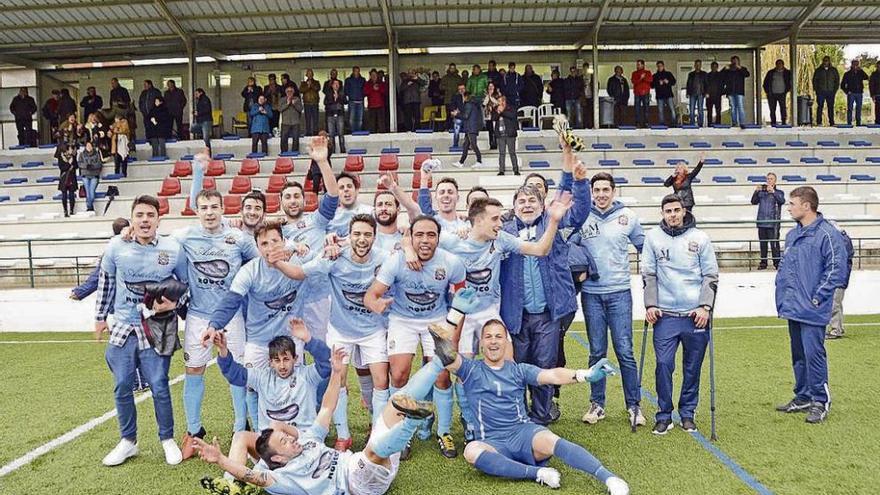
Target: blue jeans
642 103
612 311
123 361
825 98
356 115
737 112
311 112
666 103
91 185
206 128
669 331
456 132
854 100
537 343
809 361
695 108
574 112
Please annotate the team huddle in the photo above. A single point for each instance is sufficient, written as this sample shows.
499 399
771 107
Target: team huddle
347 285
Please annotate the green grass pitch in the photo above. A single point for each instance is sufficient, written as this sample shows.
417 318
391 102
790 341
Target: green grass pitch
48 389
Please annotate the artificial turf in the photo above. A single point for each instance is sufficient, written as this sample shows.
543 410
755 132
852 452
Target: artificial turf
48 389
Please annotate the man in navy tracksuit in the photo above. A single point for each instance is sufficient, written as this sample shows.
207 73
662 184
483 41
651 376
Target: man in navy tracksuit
537 292
680 273
813 265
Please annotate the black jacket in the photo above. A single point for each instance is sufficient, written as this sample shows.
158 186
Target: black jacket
714 85
334 106
120 95
768 80
618 88
874 83
510 122
735 80
852 82
533 89
91 105
162 127
147 100
684 191
251 98
23 108
663 91
435 93
557 93
697 83
204 112
175 101
66 106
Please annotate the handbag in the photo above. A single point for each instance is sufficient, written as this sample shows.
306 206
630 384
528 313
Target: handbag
82 191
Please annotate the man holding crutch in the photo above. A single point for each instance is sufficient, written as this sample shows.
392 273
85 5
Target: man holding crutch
680 274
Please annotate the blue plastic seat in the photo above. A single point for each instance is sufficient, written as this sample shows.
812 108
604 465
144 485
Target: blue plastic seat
721 126
827 178
759 179
424 149
140 142
796 144
4 198
700 144
393 151
452 149
32 164
712 161
812 160
539 164
828 143
659 127
30 197
676 161
621 180
778 161
601 146
626 128
357 151
187 158
425 131
732 144
723 179
860 142
643 162
608 163
231 137
634 146
530 129
112 177
360 133
844 159
289 153
224 156
862 177
752 126
745 161
47 179
47 146
765 144
157 159
535 147
667 145
5 165
652 180
873 159
794 178
15 180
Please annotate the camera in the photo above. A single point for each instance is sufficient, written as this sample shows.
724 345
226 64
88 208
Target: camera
763 187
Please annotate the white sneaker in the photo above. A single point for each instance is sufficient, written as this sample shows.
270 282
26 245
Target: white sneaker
548 476
478 165
123 450
594 414
635 412
617 486
172 452
457 164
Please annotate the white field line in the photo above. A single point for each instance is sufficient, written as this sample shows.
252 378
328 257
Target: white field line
754 327
49 341
77 432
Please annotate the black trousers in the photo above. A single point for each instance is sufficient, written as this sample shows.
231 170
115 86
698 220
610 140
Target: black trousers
774 100
25 128
177 124
713 104
121 165
376 121
263 139
289 132
411 116
769 236
470 143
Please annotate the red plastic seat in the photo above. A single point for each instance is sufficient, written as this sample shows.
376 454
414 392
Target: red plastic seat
273 203
388 162
209 183
240 185
182 169
187 211
354 163
308 185
231 204
419 158
283 165
215 168
415 195
417 180
249 166
311 201
170 186
163 206
276 183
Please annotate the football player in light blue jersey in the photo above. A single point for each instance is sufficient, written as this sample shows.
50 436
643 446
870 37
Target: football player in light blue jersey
420 299
214 254
509 444
349 187
126 268
253 204
296 461
680 275
446 195
606 299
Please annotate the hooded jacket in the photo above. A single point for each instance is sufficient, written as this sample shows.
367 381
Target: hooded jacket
813 265
607 235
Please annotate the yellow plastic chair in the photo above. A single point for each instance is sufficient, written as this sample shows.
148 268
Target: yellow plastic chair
439 116
240 122
217 121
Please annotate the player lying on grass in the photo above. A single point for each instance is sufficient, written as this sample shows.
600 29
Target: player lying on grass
286 391
509 444
299 462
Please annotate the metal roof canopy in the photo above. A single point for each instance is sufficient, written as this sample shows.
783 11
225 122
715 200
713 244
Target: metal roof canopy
45 32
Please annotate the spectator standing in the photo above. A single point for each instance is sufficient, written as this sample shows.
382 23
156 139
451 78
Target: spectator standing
23 107
505 132
663 83
354 93
285 82
735 87
490 104
158 127
375 91
472 121
261 113
874 88
203 116
618 88
573 87
91 102
411 100
70 132
769 200
853 86
642 80
513 86
449 87
681 181
835 327
533 87
175 100
147 100
120 135
325 88
250 94
274 93
435 92
119 96
311 95
66 105
696 89
334 107
50 112
777 84
714 91
477 83
291 109
556 90
67 167
587 98
494 75
826 81
90 165
813 266
98 134
456 112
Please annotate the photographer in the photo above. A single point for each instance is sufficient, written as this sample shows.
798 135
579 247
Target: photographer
769 201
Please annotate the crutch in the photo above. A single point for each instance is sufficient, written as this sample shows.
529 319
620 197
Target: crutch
641 368
713 436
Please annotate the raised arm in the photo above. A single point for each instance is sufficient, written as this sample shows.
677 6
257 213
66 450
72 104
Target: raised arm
542 246
412 208
210 453
319 152
331 395
316 347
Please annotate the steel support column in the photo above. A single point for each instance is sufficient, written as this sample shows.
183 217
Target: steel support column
795 69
